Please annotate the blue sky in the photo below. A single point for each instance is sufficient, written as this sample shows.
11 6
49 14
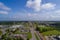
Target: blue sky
29 10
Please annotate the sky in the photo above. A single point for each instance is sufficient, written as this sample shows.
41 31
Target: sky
29 10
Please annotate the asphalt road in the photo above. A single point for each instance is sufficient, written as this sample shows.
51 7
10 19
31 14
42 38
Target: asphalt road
32 32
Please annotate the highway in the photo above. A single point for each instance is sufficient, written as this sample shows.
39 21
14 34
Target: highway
34 31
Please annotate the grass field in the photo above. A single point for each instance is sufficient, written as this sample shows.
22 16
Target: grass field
53 32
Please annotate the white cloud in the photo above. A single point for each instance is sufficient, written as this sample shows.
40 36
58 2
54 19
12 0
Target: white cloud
56 14
57 11
30 14
37 6
34 4
4 9
48 6
3 12
47 15
2 6
50 15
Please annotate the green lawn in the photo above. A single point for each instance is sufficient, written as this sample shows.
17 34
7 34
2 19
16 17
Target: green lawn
17 32
0 32
29 35
53 32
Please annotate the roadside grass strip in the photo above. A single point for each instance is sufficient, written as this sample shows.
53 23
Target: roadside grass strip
36 36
